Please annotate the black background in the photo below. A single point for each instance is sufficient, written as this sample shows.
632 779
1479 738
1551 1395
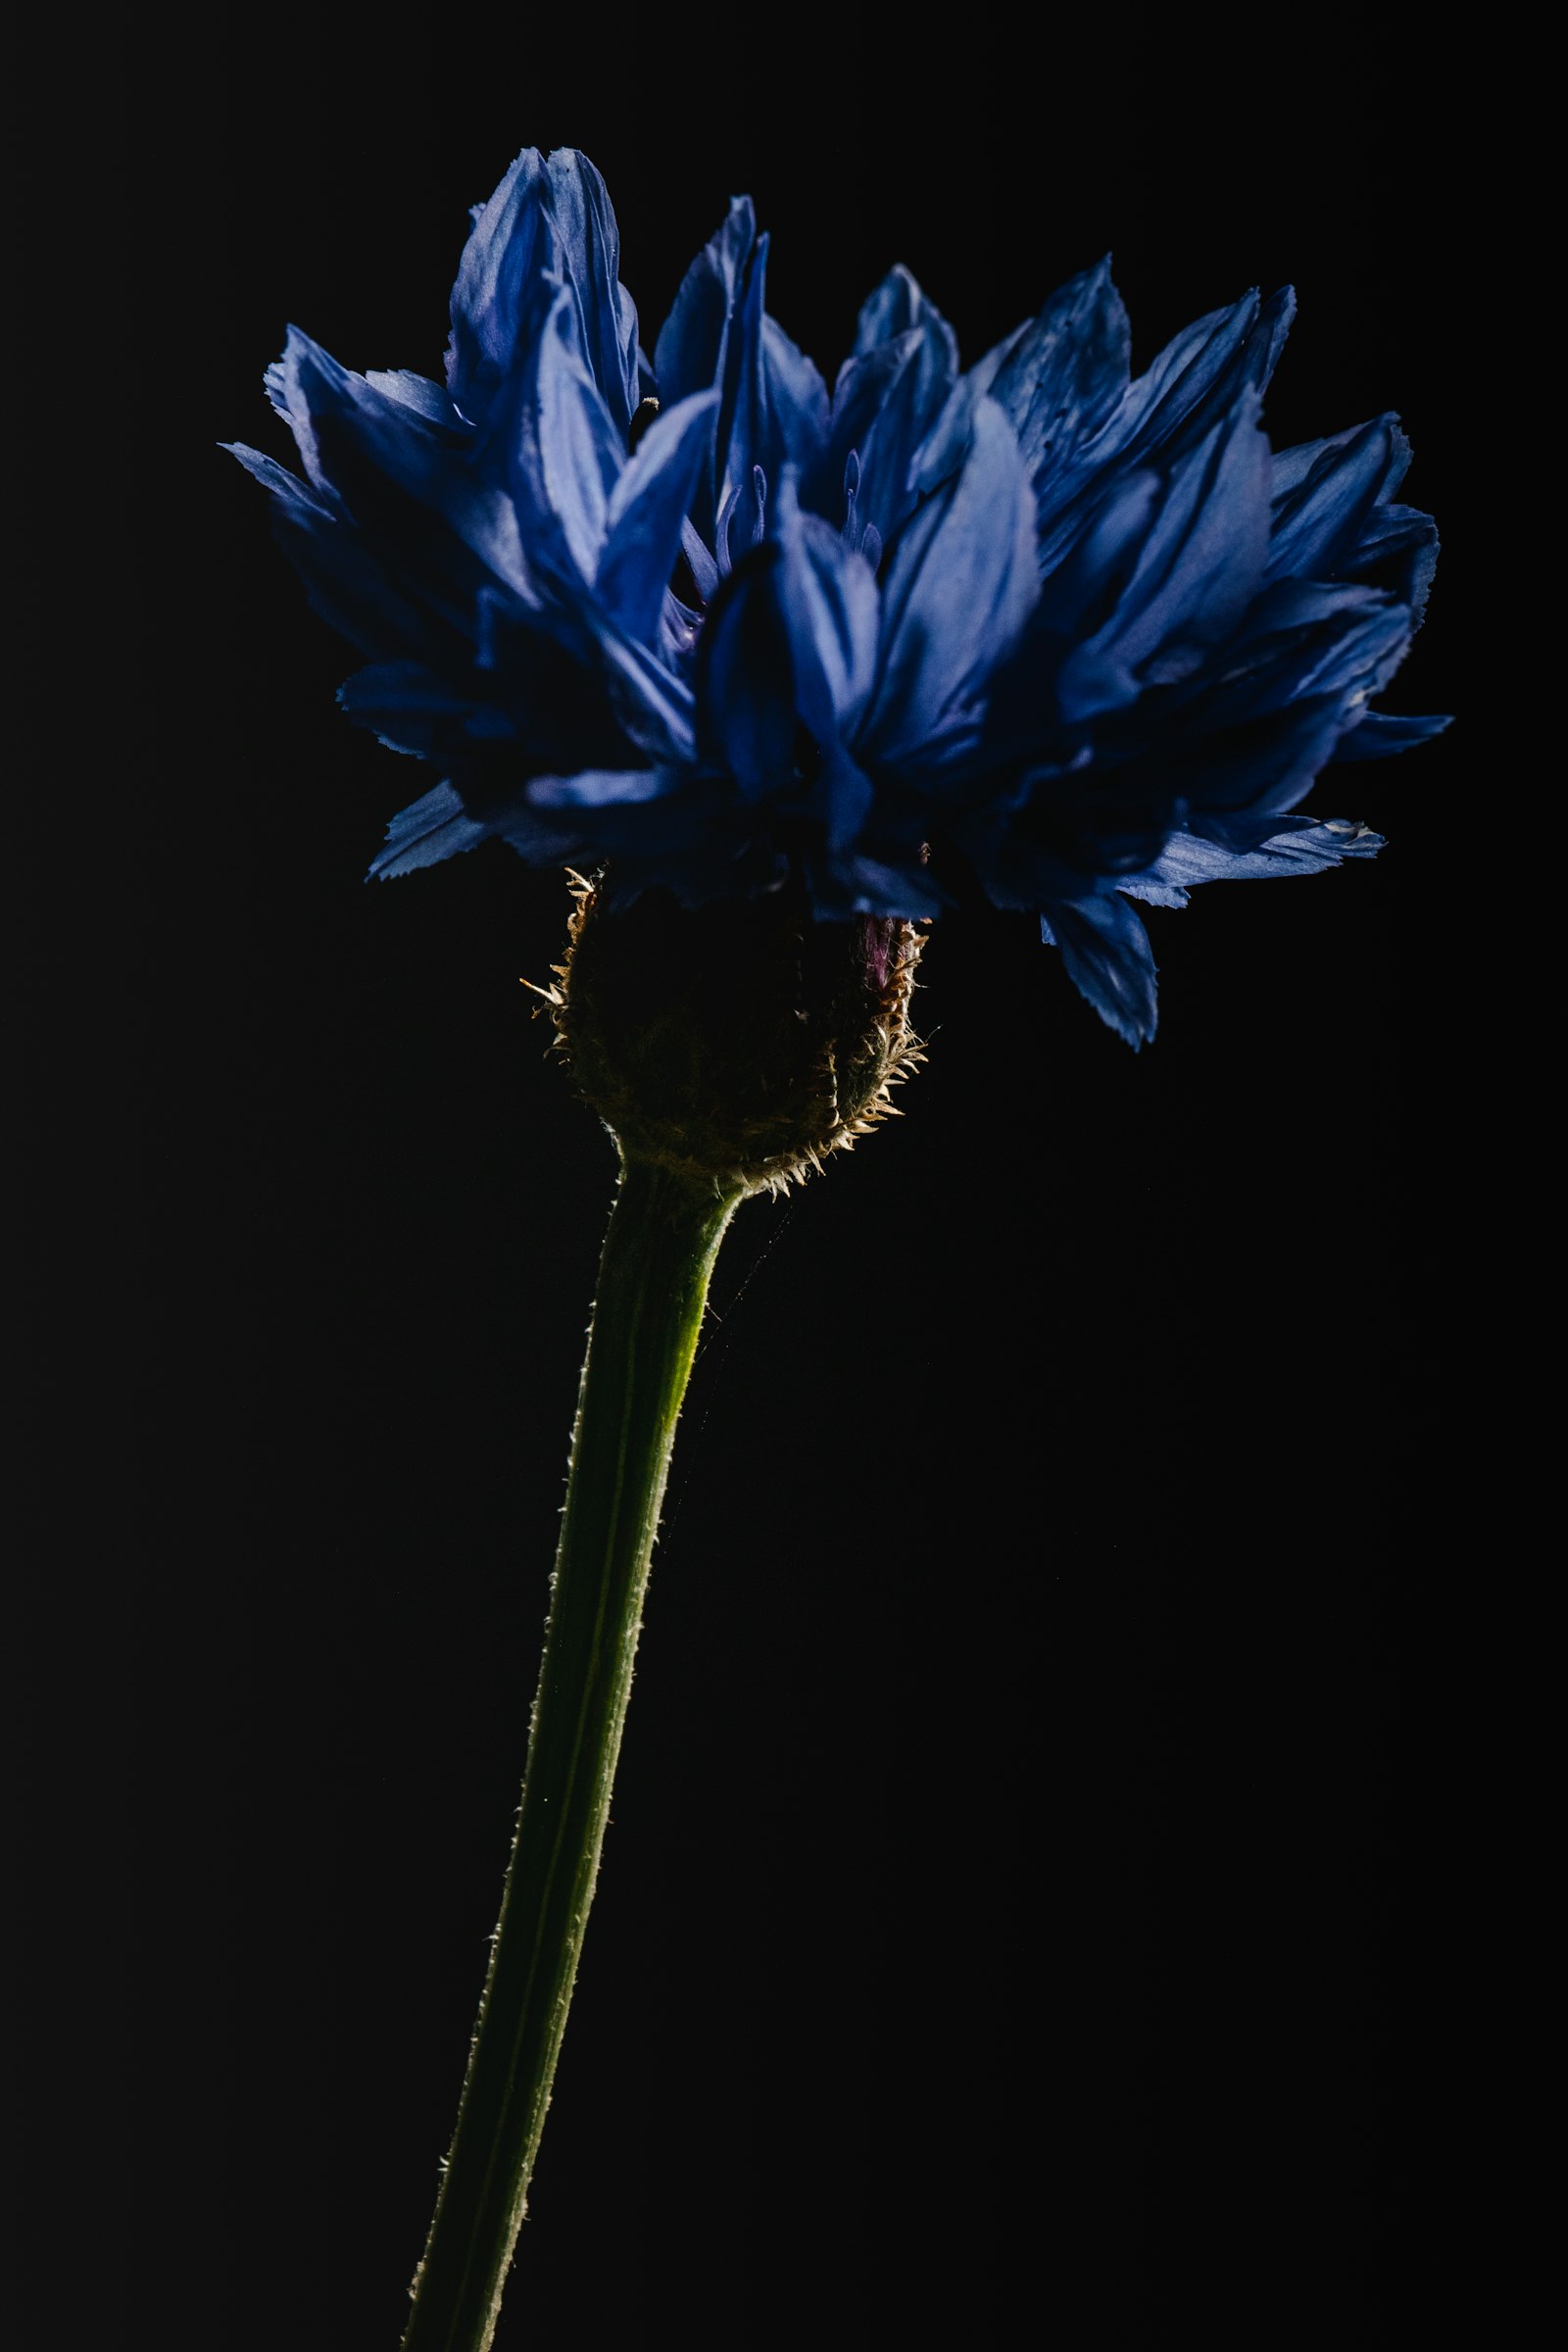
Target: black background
1020 1914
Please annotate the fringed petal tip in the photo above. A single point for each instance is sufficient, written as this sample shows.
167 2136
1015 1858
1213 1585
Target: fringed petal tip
429 829
1110 961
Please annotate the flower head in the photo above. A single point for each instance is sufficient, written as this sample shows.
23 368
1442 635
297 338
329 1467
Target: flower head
1042 631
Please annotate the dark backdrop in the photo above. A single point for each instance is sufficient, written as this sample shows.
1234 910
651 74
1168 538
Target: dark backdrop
1018 1918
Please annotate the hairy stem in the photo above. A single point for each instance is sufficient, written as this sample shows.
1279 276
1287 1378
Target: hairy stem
664 1238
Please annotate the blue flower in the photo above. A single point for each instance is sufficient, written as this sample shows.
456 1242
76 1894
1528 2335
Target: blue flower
1043 632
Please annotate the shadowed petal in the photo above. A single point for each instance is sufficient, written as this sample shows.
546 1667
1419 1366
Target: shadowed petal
745 678
1324 496
407 483
1197 542
578 692
345 583
1382 733
1200 379
1201 372
1105 949
602 788
412 708
843 798
856 884
1397 551
1249 746
1302 638
655 708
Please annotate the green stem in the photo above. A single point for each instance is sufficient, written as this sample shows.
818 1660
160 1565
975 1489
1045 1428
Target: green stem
659 1255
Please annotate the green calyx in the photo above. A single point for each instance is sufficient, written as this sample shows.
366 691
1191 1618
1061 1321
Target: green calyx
737 1043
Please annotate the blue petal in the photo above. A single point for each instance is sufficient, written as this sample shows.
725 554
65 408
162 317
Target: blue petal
885 404
1200 379
646 512
693 353
856 884
348 585
416 392
746 681
602 788
1304 638
290 400
959 588
774 403
774 409
741 520
694 836
1397 551
508 249
842 800
303 499
1299 465
690 349
1234 748
429 829
890 393
580 456
1382 733
899 304
545 217
411 707
1197 542
1213 628
740 419
1324 496
1063 376
545 826
704 571
578 692
588 251
947 444
409 484
1187 859
795 404
1105 949
655 707
1201 372
676 637
1255 739
828 597
538 840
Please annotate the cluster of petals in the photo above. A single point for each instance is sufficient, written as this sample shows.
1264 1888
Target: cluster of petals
1041 633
